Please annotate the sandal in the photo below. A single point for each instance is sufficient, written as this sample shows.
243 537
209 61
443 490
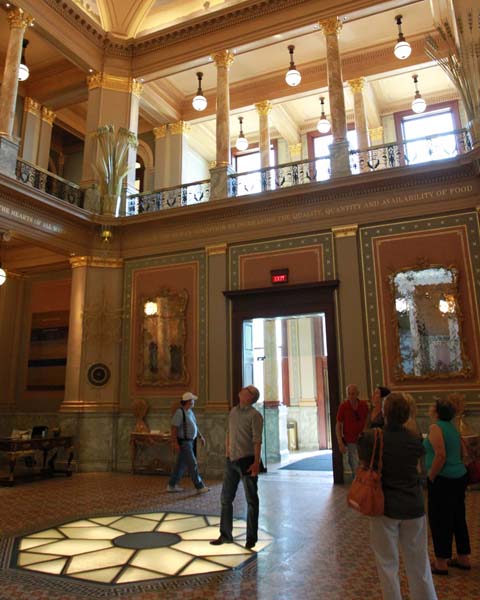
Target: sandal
453 562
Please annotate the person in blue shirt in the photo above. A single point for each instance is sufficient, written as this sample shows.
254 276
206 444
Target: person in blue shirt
447 482
184 432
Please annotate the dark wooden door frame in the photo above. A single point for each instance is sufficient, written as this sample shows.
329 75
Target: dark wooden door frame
283 301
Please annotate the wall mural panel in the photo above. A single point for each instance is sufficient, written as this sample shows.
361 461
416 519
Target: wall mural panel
421 292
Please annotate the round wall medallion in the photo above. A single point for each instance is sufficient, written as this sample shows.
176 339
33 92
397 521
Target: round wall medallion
98 374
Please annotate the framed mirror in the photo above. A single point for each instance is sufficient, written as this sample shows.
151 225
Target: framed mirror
428 323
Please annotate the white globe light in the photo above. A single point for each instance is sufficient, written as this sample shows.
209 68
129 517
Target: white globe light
293 77
3 276
323 125
199 103
402 50
242 144
418 105
23 72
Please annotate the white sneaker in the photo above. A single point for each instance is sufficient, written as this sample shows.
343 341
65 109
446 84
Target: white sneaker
174 488
203 490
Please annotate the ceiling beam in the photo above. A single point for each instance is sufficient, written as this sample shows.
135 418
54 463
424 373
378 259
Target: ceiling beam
285 124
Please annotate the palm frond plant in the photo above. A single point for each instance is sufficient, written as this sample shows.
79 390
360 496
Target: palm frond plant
458 54
112 164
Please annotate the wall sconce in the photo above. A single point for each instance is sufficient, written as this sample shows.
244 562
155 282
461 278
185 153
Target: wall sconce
150 308
418 103
106 234
446 304
323 124
402 48
199 102
23 70
292 77
242 143
3 275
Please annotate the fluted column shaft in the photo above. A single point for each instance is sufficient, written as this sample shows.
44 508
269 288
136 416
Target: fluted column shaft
19 21
357 86
263 109
223 60
45 140
31 130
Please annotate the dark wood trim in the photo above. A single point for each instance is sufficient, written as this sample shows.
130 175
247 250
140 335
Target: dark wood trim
317 297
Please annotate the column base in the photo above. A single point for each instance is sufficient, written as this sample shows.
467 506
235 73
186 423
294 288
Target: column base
8 155
220 185
339 159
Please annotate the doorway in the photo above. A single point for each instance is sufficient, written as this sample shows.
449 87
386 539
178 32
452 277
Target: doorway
299 308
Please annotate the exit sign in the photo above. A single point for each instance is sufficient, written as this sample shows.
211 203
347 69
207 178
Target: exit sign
279 276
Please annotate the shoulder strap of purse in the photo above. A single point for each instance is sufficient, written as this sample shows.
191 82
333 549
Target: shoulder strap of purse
184 424
372 458
380 451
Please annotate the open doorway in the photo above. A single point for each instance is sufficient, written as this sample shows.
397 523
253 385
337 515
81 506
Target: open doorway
289 311
285 357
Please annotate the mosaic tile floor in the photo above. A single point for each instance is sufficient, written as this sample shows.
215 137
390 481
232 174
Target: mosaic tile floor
319 549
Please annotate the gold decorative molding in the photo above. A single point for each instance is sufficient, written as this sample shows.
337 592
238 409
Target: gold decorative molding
224 58
96 261
32 106
160 131
264 107
295 150
115 83
376 135
19 19
345 231
179 128
212 164
330 26
357 85
48 115
216 249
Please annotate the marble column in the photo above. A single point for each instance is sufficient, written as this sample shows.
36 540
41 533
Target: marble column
219 187
46 126
19 21
31 130
357 87
90 406
177 151
263 109
161 156
339 159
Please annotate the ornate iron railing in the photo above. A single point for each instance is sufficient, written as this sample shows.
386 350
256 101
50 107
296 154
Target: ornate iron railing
183 195
49 182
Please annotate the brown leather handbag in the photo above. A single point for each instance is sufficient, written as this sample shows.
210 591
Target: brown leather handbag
366 494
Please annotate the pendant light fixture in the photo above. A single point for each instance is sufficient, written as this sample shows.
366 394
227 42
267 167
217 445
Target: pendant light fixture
3 275
402 48
418 104
199 102
242 142
323 124
23 70
292 77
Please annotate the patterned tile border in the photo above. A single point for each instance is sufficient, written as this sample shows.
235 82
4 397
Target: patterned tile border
370 284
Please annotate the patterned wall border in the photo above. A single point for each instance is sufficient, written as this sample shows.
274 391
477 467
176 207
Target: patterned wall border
294 243
370 286
154 262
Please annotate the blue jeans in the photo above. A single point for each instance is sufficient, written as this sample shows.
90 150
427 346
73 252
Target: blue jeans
352 455
234 472
186 460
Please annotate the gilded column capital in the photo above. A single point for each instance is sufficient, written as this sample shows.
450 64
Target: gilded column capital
115 83
264 107
19 19
224 58
357 85
48 115
179 128
96 261
160 131
345 231
295 150
32 106
376 135
331 26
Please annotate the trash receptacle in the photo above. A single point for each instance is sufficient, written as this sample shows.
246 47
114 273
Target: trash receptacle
292 434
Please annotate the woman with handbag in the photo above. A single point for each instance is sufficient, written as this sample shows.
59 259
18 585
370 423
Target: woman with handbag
447 482
403 522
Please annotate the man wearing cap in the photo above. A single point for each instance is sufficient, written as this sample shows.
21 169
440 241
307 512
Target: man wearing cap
243 444
184 431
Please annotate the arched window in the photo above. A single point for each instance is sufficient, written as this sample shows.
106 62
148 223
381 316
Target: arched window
139 174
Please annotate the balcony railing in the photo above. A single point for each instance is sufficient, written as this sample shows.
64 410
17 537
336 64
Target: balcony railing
183 195
49 182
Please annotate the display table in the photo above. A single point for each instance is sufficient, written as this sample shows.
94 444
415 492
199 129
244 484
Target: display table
158 459
26 448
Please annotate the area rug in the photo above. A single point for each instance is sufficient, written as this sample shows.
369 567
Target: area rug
321 462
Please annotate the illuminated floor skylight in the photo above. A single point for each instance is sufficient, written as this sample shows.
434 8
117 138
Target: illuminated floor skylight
129 548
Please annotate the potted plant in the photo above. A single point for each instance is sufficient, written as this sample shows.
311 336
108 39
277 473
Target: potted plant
112 165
